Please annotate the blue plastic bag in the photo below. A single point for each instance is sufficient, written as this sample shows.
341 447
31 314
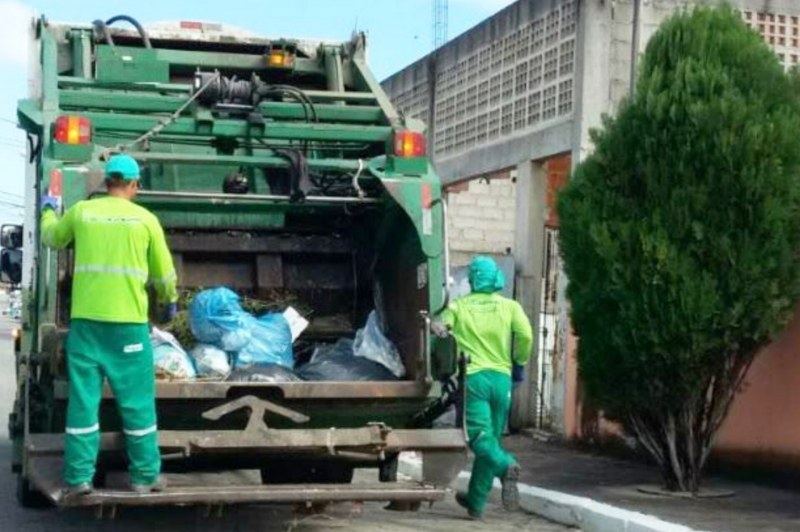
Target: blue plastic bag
217 318
216 313
270 343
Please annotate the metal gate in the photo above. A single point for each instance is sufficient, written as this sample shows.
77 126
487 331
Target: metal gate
548 325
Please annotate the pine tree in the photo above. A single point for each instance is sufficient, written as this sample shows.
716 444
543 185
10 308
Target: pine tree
680 236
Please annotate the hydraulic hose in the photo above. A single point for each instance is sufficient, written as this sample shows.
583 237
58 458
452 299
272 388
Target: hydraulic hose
102 28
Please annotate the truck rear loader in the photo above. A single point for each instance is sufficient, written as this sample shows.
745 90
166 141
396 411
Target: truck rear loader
275 166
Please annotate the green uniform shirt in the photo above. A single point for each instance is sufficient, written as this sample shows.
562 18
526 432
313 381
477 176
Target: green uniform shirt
119 248
483 325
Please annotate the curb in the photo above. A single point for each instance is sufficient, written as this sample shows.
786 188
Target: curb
570 510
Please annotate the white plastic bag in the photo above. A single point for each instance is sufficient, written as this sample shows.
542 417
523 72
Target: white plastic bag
169 358
211 362
297 323
371 344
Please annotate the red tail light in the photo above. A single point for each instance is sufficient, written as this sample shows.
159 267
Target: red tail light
426 196
71 129
56 187
409 144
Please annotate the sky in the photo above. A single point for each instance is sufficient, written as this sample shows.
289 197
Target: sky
399 33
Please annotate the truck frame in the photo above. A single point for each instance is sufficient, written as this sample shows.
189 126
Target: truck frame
273 164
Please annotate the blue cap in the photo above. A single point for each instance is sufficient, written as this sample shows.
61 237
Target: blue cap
484 275
124 165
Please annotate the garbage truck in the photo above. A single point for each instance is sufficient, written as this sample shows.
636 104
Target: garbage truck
274 166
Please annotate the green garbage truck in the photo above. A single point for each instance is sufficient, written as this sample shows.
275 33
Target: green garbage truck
278 168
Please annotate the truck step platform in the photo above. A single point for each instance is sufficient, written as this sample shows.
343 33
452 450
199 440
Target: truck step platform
250 494
45 476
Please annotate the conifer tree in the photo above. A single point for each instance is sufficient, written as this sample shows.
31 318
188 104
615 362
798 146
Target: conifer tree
680 236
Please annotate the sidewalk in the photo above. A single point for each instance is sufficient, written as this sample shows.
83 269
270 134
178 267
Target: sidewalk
614 481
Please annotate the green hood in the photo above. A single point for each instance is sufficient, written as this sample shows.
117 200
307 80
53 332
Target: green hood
484 276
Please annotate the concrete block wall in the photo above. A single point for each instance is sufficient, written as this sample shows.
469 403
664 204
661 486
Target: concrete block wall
777 21
482 216
495 88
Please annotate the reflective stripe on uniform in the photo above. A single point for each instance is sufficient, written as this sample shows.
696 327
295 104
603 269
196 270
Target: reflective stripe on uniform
142 432
111 219
166 279
80 431
115 270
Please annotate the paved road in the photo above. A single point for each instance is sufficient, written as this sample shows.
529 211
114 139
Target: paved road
442 517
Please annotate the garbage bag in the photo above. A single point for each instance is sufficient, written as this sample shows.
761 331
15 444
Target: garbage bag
270 343
210 361
344 346
336 365
297 323
169 358
266 373
236 339
216 314
373 345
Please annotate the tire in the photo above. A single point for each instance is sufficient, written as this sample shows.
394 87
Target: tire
307 473
28 497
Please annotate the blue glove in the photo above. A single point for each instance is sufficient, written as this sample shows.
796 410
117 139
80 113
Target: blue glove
51 202
169 312
517 373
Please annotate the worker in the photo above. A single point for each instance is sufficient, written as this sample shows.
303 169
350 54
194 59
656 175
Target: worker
119 248
483 324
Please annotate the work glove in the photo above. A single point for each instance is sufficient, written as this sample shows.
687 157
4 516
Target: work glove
440 329
517 373
169 312
51 202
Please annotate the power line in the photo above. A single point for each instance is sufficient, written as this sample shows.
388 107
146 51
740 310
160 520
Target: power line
8 120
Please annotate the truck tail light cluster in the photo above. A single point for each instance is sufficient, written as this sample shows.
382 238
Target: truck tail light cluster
409 144
72 129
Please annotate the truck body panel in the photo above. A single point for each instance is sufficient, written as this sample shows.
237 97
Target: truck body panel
354 225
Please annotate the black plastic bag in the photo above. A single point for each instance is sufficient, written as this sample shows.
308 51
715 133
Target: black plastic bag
265 373
337 364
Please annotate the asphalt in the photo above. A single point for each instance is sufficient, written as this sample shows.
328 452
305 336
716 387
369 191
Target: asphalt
442 517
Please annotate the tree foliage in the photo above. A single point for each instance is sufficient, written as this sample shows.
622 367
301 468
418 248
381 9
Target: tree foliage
680 235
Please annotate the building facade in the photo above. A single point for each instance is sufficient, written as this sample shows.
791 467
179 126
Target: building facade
509 105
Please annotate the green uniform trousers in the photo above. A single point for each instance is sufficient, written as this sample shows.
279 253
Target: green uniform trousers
487 405
122 353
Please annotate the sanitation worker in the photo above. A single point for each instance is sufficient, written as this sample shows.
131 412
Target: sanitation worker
483 324
119 249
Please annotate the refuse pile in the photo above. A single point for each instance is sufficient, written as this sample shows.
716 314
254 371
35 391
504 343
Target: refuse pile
229 343
169 358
